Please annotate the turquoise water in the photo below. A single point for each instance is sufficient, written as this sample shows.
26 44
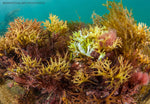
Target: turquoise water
67 9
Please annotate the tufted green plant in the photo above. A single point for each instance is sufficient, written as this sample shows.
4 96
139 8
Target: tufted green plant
95 38
81 45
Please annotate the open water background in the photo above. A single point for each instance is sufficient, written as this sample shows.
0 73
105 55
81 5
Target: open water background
66 9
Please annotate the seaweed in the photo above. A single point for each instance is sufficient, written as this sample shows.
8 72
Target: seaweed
55 25
116 75
56 62
20 34
134 36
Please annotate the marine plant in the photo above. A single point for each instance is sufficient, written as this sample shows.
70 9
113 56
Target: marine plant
97 39
120 73
33 74
20 34
55 25
58 32
106 62
134 36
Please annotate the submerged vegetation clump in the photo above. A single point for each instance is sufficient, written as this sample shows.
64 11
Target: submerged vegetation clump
55 25
107 62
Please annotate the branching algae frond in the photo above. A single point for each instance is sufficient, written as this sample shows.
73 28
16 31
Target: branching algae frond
23 32
81 77
4 46
116 75
55 25
27 66
55 68
57 31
